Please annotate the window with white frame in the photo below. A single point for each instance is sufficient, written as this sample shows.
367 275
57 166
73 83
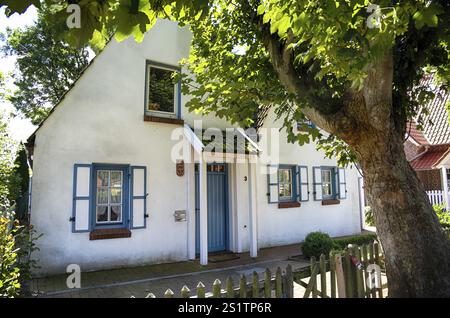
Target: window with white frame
162 91
109 196
286 187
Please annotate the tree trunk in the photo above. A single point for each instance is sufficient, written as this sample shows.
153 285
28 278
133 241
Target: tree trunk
416 248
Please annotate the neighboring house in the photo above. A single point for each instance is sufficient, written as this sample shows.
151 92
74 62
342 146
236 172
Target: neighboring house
428 149
110 188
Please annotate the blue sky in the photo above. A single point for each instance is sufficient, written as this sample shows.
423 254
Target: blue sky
19 128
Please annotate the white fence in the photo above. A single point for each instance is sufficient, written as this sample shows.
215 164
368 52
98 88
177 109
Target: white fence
436 197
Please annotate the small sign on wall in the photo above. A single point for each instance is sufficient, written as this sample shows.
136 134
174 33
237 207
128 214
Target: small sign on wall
180 168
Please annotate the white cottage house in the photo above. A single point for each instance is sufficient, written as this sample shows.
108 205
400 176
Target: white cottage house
108 189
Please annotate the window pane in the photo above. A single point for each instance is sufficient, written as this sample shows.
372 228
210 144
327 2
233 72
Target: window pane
116 178
326 176
116 213
102 213
161 90
102 178
116 195
326 189
288 190
102 195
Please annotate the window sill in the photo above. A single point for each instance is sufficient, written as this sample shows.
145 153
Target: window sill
286 205
330 202
165 120
103 234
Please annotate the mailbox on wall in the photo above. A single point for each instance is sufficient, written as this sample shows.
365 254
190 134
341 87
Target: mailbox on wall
180 215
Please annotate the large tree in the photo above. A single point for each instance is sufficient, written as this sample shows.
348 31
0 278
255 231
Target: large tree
353 69
46 66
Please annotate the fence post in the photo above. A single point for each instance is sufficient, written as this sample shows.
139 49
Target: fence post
217 289
289 282
314 282
168 293
340 278
372 261
267 284
255 289
201 290
185 292
376 249
323 277
359 274
230 288
278 285
332 276
243 287
348 275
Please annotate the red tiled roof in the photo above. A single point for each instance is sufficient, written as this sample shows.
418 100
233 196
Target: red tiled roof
430 158
436 124
416 134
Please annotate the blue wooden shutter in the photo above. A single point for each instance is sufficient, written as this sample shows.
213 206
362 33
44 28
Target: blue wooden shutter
272 183
342 185
138 202
81 198
317 183
303 183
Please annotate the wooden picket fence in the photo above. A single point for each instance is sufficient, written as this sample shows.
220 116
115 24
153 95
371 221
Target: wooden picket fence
350 275
345 278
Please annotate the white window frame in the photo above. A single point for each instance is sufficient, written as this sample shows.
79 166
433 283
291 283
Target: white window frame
176 92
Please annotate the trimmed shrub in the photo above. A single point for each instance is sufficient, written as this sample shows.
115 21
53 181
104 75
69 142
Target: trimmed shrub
443 216
342 243
317 243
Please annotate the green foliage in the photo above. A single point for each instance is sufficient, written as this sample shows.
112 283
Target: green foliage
46 66
26 238
368 213
317 243
333 43
443 216
7 149
18 184
342 243
9 270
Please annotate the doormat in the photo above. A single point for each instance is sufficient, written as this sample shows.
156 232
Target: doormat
222 257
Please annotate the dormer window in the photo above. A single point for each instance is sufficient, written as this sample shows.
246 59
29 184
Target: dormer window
162 91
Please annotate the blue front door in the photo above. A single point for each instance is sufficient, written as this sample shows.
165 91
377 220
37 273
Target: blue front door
217 208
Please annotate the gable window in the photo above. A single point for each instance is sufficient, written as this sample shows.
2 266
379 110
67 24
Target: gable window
285 184
110 196
162 91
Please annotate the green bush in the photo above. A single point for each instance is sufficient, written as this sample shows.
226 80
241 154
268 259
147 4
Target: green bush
9 269
342 243
443 216
368 213
317 243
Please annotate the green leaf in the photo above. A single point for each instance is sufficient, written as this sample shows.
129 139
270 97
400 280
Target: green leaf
426 16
